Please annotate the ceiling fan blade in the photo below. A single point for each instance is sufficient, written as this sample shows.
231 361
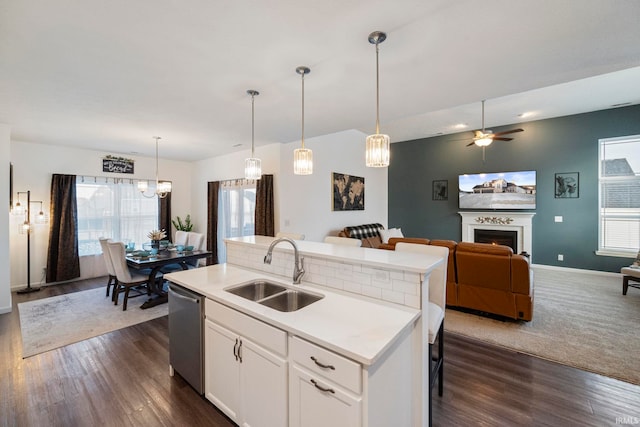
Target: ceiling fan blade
470 144
499 138
506 132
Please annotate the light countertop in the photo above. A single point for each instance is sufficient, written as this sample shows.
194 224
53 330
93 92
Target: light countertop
356 327
380 258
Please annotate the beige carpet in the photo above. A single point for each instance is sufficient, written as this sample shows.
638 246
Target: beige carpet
579 319
54 322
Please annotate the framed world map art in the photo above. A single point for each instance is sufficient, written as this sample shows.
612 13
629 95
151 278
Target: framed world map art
348 192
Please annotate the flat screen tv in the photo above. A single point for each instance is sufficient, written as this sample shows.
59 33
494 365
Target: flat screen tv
500 190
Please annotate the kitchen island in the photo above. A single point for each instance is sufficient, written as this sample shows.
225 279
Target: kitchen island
355 357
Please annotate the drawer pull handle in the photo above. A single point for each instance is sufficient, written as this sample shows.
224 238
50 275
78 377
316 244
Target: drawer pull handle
326 390
322 365
240 351
235 350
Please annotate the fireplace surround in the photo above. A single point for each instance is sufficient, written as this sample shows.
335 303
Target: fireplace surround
519 222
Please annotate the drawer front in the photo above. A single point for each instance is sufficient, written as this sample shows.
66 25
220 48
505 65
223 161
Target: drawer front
332 366
257 331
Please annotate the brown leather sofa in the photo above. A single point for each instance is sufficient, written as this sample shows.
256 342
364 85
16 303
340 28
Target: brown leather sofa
480 276
493 279
484 277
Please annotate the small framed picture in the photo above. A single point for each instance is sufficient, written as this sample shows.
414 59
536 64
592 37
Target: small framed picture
440 190
567 185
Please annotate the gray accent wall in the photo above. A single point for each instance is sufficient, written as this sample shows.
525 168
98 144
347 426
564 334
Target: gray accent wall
563 144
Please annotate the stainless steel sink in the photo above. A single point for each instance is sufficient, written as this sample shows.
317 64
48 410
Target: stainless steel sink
274 295
256 290
291 300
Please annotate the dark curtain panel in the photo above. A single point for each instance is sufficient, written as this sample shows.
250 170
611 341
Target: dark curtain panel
164 214
63 261
212 221
264 220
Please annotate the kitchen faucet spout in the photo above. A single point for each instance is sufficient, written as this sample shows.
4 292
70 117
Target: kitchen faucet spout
298 268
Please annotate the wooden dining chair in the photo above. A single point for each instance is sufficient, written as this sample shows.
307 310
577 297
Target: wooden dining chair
125 279
106 255
436 311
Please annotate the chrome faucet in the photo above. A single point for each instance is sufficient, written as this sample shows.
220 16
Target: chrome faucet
298 268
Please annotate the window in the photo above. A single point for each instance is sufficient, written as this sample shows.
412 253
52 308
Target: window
112 208
236 216
619 178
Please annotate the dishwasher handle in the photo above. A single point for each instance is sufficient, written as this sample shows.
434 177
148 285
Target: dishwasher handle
184 297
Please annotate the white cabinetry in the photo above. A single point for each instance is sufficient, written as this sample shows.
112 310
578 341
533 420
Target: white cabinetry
245 367
325 388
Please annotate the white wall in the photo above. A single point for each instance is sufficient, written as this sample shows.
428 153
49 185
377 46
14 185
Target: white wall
303 203
5 265
33 166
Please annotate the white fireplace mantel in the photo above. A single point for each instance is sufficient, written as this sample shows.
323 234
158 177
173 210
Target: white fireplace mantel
520 222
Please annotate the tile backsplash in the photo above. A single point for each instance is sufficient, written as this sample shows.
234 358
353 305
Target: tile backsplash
395 286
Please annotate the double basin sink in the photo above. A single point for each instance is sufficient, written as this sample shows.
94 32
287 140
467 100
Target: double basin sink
275 295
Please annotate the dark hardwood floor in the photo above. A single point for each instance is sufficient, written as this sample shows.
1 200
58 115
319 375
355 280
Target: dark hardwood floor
121 379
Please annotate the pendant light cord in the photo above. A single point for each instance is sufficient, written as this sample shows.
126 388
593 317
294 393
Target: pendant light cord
252 123
377 92
302 110
157 181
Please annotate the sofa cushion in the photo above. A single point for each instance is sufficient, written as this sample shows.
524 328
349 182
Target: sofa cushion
365 230
385 235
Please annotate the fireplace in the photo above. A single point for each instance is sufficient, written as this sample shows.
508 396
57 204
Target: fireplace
497 237
519 223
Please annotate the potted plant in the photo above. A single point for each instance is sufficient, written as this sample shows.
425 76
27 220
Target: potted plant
183 226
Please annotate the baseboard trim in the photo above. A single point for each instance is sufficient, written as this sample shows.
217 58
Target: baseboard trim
575 270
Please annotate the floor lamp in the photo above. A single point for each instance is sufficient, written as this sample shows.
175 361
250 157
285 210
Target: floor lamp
25 227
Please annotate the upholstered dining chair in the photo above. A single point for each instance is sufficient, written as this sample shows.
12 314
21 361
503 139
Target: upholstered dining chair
125 279
437 303
106 255
293 236
347 241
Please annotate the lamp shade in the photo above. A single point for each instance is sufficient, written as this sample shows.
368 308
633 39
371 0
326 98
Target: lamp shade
302 161
164 187
483 142
377 151
252 168
143 186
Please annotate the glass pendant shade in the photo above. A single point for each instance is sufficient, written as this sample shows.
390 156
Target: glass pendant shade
302 161
252 168
483 142
41 218
143 186
24 227
377 151
163 188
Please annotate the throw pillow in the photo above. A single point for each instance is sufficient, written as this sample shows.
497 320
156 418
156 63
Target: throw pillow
392 232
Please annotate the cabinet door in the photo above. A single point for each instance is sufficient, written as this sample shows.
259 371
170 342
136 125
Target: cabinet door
263 381
311 406
222 371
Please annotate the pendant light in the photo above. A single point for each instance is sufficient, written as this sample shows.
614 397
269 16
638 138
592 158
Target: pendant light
163 188
302 157
252 165
377 151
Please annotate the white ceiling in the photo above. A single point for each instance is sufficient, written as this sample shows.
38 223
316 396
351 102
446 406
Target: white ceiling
108 75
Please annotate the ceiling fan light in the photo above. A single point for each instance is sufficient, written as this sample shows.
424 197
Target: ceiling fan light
483 142
377 151
252 168
302 161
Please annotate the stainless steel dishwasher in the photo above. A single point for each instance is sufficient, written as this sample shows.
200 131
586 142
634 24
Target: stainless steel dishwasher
186 337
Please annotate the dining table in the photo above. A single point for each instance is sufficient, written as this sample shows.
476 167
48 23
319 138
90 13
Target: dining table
155 265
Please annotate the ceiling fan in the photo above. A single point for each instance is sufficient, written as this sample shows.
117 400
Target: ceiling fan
483 138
